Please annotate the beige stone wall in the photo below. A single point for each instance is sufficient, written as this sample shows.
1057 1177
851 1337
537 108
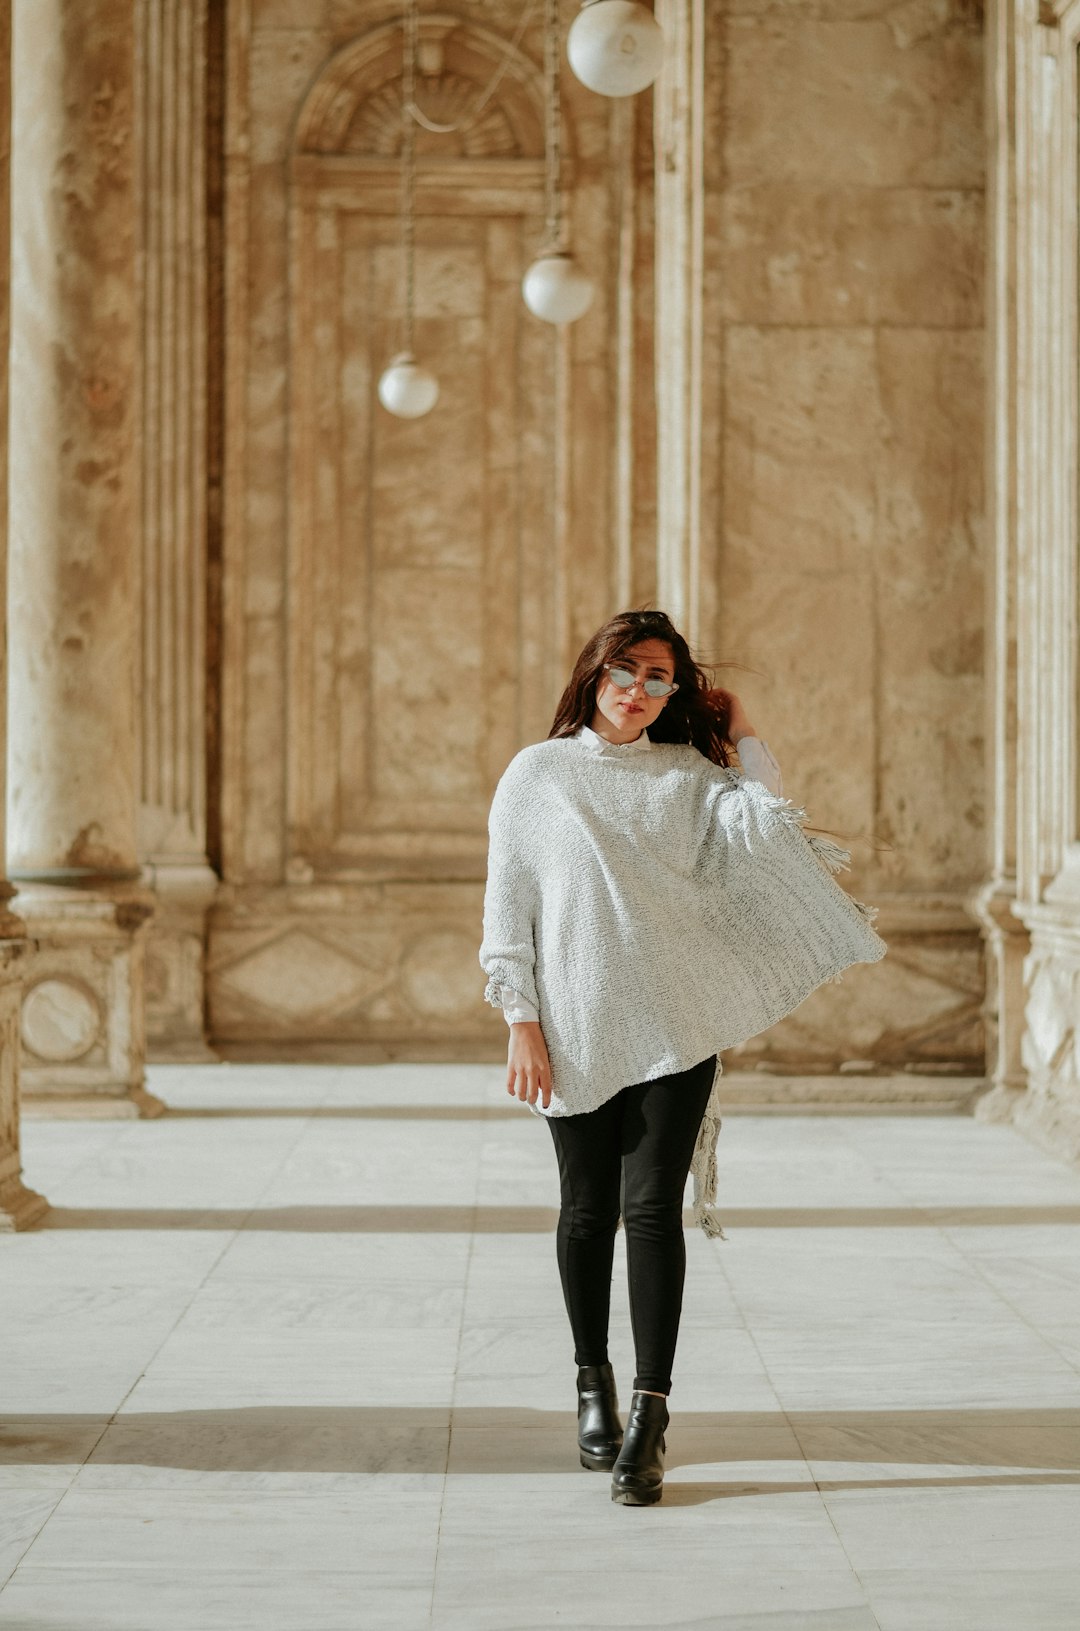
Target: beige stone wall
402 599
817 518
842 467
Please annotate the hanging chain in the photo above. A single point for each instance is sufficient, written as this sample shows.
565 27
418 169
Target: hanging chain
408 167
486 94
553 179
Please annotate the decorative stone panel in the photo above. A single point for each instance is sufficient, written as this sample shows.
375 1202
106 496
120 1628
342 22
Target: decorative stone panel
919 1012
82 1013
351 964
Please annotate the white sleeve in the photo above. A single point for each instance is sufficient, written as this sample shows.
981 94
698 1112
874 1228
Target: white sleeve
508 948
759 764
516 1010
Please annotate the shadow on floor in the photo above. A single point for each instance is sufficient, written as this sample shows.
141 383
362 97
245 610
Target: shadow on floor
533 1219
348 1112
276 1439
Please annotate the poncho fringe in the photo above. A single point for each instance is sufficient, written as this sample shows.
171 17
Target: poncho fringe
703 1167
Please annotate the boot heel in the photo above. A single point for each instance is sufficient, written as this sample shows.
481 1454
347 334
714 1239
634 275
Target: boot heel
637 1478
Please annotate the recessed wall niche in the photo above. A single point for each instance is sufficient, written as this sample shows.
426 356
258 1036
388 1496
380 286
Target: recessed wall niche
406 594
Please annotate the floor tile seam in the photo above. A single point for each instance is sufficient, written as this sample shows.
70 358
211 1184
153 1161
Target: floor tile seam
1018 1313
466 1278
250 1211
61 1496
117 1130
184 1309
878 1173
783 1414
823 1496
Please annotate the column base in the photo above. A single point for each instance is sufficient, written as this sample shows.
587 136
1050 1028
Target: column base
83 1000
1049 1111
999 1103
176 963
1051 1122
20 1208
136 1104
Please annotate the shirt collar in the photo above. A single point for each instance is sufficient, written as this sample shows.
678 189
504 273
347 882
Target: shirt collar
600 744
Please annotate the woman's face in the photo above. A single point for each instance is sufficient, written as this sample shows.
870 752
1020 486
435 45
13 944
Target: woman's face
622 715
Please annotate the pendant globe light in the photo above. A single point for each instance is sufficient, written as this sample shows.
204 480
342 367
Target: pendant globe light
616 47
406 388
555 288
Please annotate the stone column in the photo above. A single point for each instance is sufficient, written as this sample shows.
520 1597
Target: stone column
172 48
688 373
19 1207
1007 939
74 553
1035 249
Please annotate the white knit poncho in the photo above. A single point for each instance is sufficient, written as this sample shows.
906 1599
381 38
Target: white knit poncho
656 908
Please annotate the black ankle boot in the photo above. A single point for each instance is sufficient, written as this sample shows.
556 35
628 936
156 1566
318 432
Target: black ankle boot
599 1430
638 1475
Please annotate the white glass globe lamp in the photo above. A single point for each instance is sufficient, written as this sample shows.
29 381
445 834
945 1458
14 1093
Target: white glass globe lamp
615 47
406 389
556 289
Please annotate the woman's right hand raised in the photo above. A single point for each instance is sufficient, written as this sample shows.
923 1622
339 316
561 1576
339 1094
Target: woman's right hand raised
528 1068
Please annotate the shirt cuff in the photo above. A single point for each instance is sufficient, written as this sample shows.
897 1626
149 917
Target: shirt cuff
759 764
517 1009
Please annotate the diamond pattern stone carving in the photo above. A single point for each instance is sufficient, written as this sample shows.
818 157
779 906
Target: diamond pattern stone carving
298 975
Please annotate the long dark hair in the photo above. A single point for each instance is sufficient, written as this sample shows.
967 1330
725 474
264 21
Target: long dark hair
697 713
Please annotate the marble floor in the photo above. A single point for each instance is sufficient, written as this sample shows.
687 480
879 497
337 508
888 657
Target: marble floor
294 1358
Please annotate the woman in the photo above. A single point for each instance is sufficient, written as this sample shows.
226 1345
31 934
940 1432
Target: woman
646 907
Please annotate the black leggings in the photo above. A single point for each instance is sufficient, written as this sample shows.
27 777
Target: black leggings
643 1141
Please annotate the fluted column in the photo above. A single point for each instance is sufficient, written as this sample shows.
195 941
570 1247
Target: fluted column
172 42
1035 885
74 551
688 372
995 905
19 1207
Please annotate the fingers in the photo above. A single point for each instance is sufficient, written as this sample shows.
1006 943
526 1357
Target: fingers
529 1083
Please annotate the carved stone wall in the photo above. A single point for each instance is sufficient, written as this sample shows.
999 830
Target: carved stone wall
402 599
820 373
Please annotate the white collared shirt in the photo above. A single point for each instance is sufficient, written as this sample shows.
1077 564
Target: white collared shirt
757 763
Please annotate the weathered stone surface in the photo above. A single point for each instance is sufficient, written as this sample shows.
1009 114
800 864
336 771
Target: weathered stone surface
802 432
74 502
839 302
75 514
405 597
929 576
808 99
19 1207
408 598
350 963
1030 902
843 255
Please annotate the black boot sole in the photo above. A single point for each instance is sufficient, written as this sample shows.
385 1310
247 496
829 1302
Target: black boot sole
637 1497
